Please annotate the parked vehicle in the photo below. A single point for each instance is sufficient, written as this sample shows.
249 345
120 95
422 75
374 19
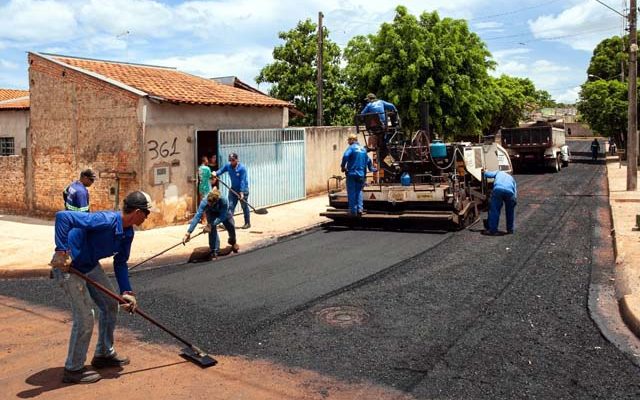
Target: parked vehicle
539 144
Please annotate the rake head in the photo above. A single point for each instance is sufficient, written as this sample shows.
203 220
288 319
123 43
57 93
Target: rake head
261 211
198 357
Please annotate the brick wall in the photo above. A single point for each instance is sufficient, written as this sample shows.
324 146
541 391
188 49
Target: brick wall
79 122
12 184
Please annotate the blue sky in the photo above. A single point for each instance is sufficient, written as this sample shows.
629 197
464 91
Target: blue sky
548 41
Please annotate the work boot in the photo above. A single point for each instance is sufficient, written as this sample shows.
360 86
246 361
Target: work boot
114 360
80 376
246 226
235 248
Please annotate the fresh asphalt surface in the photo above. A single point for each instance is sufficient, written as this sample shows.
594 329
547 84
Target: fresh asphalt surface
455 315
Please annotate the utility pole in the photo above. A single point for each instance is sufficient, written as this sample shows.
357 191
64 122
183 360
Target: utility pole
319 115
632 131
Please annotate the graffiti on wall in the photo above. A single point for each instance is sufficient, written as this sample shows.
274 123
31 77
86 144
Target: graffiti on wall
162 149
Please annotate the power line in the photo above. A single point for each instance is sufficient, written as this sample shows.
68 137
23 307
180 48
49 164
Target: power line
519 10
611 8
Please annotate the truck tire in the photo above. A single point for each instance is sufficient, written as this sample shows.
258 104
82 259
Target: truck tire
556 165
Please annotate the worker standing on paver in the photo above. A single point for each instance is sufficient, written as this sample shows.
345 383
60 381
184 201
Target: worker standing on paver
82 239
355 163
239 184
504 191
379 107
217 210
76 195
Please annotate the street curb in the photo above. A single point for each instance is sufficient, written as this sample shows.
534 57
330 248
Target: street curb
630 309
162 262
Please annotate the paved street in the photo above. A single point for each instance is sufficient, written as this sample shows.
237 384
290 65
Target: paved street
433 315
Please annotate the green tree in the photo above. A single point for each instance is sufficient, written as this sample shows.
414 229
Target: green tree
603 105
293 76
609 58
517 96
439 61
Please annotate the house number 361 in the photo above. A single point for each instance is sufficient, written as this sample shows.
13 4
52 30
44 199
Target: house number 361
162 149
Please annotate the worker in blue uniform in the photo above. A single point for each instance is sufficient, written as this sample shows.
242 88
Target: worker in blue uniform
378 106
217 210
82 240
504 191
355 163
239 184
76 195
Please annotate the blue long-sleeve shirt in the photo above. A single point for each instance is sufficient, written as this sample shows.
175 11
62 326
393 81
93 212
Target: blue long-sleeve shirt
216 213
76 197
379 107
239 178
503 181
356 161
93 236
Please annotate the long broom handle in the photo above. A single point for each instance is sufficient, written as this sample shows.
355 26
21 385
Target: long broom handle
162 252
121 300
237 195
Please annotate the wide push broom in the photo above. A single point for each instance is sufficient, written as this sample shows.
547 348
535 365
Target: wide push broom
190 353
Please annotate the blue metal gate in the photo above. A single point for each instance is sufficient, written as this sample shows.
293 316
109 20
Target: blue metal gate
274 159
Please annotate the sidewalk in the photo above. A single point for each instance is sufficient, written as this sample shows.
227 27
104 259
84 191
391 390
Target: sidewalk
624 208
28 243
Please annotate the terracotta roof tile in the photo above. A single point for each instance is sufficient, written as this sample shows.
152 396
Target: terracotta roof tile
172 85
13 99
8 94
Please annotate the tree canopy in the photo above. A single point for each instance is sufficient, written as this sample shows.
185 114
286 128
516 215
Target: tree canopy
430 59
293 76
408 61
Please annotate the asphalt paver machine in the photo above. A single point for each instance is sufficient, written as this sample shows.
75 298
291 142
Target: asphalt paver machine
419 180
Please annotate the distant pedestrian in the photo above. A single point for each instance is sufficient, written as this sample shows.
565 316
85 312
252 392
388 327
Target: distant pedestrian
239 184
82 240
217 211
595 149
355 163
612 146
76 195
504 191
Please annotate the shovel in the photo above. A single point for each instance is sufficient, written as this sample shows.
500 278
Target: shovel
259 211
190 353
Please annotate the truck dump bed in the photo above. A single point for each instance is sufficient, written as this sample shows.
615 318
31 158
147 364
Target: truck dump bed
533 136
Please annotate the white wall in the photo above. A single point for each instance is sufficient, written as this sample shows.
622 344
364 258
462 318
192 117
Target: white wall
169 142
14 123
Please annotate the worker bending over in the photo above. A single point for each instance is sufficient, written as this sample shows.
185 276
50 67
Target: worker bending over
217 210
355 163
82 239
504 191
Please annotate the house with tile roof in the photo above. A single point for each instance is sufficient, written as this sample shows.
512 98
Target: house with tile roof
139 126
14 125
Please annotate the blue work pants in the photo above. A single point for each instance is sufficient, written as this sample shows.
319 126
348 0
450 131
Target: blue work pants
83 297
233 202
498 197
214 238
355 184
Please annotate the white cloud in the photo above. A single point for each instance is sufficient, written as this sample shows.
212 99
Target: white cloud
8 64
568 96
582 26
144 18
245 63
37 21
545 66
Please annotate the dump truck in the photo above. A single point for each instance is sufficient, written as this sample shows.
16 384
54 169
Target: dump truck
536 145
419 180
